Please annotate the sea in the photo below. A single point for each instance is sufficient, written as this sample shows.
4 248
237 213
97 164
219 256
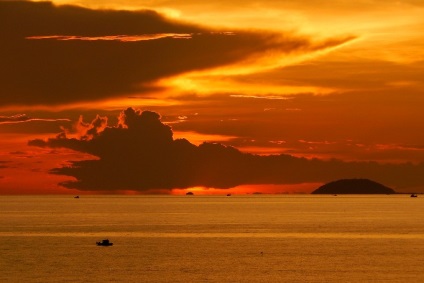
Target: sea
246 238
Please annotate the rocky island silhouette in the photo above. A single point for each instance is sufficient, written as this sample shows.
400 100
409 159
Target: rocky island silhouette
353 186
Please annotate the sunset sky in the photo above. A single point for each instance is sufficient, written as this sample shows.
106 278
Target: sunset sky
288 95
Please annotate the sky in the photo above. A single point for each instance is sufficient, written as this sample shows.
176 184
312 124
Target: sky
216 97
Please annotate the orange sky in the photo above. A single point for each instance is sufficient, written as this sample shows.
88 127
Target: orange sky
315 79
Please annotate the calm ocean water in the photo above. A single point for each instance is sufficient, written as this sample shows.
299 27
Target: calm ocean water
287 238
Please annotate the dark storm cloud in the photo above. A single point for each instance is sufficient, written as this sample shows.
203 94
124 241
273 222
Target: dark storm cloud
61 54
139 153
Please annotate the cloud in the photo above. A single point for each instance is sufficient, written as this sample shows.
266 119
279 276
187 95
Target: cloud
56 55
38 124
140 154
3 164
14 119
123 38
22 118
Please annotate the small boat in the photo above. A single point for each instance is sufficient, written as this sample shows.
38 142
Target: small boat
104 243
413 195
76 196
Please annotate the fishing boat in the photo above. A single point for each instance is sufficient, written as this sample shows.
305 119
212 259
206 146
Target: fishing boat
104 243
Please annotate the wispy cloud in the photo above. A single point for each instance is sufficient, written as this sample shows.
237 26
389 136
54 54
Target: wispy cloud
23 118
272 97
4 164
122 38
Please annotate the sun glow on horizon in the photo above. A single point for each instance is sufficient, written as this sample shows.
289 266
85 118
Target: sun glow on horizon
241 190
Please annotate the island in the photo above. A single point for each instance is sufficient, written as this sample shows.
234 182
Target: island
353 186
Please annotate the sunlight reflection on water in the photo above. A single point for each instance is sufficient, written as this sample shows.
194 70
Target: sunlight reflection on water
212 239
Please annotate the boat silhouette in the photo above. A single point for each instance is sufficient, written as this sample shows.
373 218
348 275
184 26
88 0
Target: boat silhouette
104 243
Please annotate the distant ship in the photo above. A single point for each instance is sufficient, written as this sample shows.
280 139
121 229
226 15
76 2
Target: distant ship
104 243
413 196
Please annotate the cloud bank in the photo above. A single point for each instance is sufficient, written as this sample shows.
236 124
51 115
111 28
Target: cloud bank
140 154
65 54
